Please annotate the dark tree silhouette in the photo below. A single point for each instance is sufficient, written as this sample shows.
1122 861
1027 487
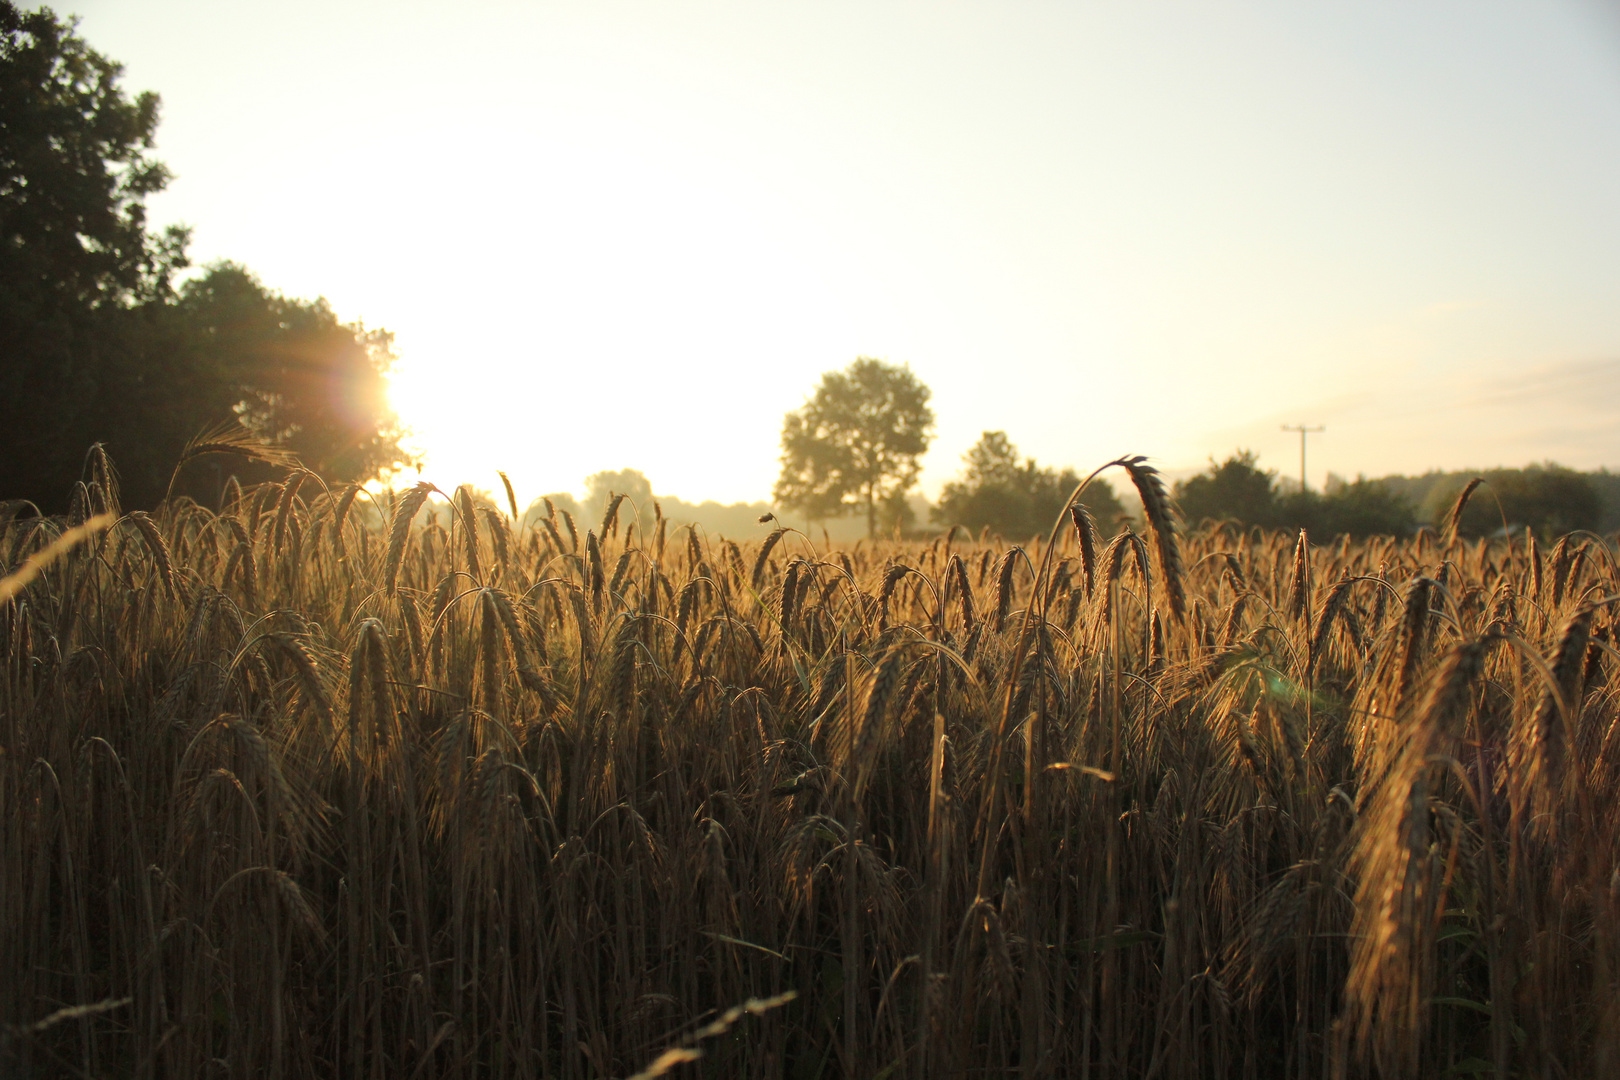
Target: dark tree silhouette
856 443
1548 499
96 344
1237 490
1016 497
1234 490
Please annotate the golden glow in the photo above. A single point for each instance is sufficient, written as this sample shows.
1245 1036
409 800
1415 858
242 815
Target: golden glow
628 234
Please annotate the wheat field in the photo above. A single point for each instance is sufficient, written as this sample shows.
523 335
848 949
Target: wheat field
328 784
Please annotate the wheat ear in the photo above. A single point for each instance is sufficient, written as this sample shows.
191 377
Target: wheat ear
1161 517
400 530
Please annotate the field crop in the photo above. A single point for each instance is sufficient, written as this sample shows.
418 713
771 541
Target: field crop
322 784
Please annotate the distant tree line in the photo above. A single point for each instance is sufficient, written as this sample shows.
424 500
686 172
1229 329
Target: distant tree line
100 339
1548 499
1018 498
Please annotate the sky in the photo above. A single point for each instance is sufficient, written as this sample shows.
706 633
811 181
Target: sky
634 234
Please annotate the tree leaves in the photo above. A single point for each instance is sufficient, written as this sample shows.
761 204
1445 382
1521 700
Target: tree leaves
857 442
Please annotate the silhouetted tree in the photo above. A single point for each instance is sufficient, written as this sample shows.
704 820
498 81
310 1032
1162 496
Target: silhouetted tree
1549 499
96 345
76 259
856 443
631 483
296 375
1235 490
1361 508
1017 498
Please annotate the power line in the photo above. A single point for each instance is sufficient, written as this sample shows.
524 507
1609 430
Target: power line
1303 431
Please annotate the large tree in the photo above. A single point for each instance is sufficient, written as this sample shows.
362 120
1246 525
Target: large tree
76 257
1235 490
292 372
857 443
96 344
1016 496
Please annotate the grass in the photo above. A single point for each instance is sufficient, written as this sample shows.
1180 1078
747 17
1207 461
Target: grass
318 785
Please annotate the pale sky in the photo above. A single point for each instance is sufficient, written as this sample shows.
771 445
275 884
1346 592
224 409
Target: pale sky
633 235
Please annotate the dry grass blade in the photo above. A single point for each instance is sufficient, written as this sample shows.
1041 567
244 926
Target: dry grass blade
71 1012
16 581
232 438
688 1051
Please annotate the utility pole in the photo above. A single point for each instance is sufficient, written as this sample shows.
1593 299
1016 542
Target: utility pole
1303 431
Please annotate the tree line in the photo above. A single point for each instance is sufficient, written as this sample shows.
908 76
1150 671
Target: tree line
101 341
1547 499
856 444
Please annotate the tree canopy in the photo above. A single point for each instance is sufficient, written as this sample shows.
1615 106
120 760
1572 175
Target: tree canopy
857 443
1234 490
98 344
1549 499
1237 490
1016 497
297 376
631 483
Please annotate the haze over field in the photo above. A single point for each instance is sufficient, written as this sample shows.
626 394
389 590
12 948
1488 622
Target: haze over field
633 235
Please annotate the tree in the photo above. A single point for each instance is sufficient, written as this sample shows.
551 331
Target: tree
1548 499
631 483
1238 490
96 344
1235 490
1016 497
292 373
1361 508
856 443
75 254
